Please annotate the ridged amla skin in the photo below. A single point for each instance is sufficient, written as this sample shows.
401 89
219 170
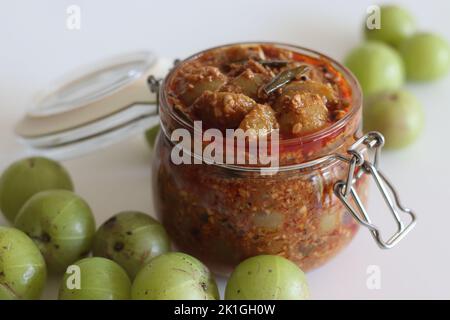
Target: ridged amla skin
24 178
267 277
22 268
131 239
174 276
61 224
99 279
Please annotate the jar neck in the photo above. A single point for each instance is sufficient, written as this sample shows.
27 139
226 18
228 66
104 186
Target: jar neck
291 152
335 138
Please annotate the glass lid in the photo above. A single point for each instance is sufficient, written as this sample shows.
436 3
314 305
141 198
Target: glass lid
93 85
97 106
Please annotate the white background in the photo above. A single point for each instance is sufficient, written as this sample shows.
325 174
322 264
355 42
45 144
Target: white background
36 47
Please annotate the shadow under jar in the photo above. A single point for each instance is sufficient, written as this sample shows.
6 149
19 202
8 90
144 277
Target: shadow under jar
223 214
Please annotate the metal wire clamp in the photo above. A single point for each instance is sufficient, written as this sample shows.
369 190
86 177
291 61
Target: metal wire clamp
364 155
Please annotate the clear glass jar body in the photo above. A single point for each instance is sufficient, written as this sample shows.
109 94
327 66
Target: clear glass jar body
223 215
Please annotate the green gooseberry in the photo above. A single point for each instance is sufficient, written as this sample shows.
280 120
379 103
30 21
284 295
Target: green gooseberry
95 279
131 239
27 177
22 267
398 115
377 66
396 24
61 224
174 276
267 277
151 135
426 57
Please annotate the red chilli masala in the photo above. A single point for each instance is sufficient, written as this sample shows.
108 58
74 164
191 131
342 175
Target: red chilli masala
223 216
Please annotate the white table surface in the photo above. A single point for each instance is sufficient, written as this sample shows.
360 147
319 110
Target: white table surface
36 47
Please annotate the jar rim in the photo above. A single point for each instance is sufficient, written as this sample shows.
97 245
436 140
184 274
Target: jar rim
356 99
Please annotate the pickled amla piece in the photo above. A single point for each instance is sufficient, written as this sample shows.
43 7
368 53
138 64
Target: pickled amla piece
61 224
131 239
196 80
22 267
95 279
174 276
27 177
267 277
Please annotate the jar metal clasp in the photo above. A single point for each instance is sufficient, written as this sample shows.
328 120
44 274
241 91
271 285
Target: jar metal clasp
363 160
154 84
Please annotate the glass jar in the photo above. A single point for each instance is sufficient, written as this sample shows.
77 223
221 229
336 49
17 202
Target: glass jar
224 214
306 210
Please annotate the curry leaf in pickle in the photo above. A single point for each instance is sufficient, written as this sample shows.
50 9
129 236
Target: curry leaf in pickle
274 63
266 63
284 77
